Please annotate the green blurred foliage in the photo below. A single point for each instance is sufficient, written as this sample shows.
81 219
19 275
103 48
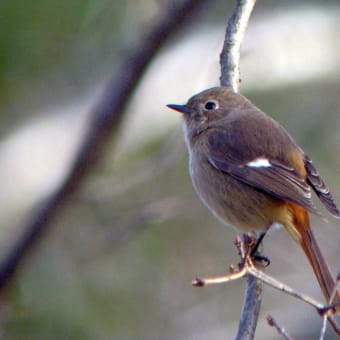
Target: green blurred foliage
51 51
33 40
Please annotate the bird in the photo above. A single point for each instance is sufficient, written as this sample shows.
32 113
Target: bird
250 173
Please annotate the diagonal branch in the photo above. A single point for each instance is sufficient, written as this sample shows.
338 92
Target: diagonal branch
105 121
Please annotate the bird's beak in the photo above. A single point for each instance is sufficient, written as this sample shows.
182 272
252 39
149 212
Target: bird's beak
180 108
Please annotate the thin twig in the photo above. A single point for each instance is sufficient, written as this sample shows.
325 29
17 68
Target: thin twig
106 117
247 268
335 289
270 281
281 331
333 323
230 55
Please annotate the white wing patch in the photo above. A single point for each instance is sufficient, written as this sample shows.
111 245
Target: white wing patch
259 163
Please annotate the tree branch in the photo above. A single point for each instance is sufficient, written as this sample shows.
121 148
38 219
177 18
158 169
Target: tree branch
230 55
250 309
105 119
248 268
230 76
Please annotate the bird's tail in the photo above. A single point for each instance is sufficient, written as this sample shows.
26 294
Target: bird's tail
314 255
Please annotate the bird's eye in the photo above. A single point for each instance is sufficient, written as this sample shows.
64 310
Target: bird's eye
211 105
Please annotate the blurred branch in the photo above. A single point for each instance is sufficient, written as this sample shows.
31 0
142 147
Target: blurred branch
230 55
158 162
156 212
230 76
105 120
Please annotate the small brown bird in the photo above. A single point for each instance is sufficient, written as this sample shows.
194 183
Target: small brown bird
250 173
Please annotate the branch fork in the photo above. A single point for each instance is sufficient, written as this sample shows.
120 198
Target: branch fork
244 245
249 266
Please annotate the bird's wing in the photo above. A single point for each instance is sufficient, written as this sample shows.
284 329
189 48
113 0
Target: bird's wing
258 170
320 188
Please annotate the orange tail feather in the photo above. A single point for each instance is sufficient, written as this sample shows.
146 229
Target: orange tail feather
314 255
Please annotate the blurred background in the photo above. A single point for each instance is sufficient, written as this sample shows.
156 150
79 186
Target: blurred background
117 263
